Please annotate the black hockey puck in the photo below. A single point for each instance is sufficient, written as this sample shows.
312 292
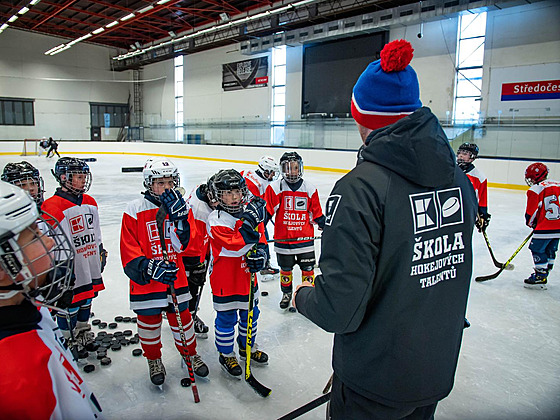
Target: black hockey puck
89 368
116 347
96 322
107 339
101 354
134 340
292 309
133 320
112 325
185 382
117 334
126 319
101 333
102 325
137 352
264 293
82 354
106 361
118 318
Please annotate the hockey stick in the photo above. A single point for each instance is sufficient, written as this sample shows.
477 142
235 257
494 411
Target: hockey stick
259 388
301 239
307 407
494 260
497 273
160 219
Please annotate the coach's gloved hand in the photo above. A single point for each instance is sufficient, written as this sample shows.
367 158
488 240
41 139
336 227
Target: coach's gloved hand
162 271
482 221
174 204
197 274
256 260
255 212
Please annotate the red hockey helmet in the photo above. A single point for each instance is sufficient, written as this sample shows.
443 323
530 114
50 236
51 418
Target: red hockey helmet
535 173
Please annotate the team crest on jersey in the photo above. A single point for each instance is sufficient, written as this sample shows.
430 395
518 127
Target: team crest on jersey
152 229
330 208
300 204
77 224
89 220
432 210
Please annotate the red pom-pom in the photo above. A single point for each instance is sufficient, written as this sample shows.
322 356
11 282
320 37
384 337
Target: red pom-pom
396 55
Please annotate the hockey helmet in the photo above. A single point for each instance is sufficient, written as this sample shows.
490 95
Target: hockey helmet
268 168
159 168
223 184
469 148
26 176
37 263
291 172
65 171
535 173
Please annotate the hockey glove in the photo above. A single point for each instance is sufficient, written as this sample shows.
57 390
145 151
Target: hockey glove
197 274
482 221
255 212
256 260
103 257
175 205
162 271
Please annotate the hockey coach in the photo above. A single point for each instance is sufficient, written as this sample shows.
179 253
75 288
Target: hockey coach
396 256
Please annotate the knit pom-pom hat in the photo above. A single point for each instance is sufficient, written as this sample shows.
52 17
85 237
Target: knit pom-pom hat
388 88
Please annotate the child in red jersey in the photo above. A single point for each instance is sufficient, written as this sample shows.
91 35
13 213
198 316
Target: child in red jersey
237 244
466 155
296 205
38 379
543 215
78 216
150 276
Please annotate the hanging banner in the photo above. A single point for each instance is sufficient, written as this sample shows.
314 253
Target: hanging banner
530 91
245 74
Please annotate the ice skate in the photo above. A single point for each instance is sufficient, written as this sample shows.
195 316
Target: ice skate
200 328
231 366
537 280
199 367
259 357
157 371
286 299
86 339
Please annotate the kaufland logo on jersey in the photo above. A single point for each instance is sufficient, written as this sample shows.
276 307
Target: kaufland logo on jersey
432 210
77 224
529 91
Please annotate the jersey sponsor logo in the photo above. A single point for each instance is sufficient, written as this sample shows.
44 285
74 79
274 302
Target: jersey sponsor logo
77 224
89 220
331 207
436 209
152 229
289 203
300 204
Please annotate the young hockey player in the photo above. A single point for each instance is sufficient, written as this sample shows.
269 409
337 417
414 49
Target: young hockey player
466 155
78 216
542 214
53 148
296 205
197 254
257 182
150 276
27 177
237 244
38 380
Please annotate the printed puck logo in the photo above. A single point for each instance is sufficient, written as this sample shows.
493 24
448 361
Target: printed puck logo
432 210
301 204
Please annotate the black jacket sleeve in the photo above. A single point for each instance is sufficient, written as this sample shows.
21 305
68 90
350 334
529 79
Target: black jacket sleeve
349 250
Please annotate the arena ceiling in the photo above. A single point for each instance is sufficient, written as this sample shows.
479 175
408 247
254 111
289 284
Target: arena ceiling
131 24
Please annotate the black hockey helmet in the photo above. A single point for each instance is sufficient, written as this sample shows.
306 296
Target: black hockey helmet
66 168
26 176
287 168
472 150
226 181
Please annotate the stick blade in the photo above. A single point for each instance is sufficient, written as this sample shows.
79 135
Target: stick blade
489 277
259 388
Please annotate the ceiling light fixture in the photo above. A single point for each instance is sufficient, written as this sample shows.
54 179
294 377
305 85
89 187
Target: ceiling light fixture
129 16
110 25
34 2
145 9
23 10
98 30
13 18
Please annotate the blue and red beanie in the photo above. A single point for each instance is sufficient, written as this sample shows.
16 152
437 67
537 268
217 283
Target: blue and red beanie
388 88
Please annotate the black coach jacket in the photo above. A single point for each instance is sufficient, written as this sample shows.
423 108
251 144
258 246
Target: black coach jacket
396 263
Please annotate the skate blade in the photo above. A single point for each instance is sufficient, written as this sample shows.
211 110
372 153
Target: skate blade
535 286
202 335
230 376
254 363
268 277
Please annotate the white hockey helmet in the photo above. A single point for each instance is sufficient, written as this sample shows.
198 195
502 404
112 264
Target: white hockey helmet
268 168
37 264
159 168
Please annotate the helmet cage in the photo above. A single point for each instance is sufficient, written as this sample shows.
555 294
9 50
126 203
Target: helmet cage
286 167
23 175
64 171
225 182
22 271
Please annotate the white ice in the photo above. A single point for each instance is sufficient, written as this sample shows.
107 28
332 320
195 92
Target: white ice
509 365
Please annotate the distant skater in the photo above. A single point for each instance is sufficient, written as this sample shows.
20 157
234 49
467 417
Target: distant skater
53 148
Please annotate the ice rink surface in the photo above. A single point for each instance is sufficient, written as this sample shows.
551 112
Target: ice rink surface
509 366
